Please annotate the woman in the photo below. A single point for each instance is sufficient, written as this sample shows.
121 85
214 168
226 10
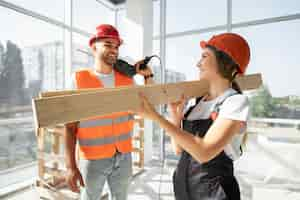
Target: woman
208 136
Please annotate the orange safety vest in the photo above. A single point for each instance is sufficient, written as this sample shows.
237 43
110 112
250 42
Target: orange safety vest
100 137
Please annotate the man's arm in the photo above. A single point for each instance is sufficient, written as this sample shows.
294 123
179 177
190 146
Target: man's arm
70 145
73 173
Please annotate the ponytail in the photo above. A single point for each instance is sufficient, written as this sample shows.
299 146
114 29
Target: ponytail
236 87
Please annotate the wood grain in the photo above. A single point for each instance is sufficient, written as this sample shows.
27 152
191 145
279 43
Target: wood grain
247 82
74 105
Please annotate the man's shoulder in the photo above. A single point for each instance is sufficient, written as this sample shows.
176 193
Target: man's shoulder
123 76
83 69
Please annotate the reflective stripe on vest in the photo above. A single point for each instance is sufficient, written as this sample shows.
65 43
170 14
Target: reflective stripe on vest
106 140
104 122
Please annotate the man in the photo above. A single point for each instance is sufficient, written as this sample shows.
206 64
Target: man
105 141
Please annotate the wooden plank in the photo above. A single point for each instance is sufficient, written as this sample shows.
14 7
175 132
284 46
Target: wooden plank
55 151
41 148
137 150
79 91
53 193
55 172
138 164
136 138
247 82
51 157
142 159
59 131
139 143
68 108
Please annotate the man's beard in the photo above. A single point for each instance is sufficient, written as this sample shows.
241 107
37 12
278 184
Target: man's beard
109 60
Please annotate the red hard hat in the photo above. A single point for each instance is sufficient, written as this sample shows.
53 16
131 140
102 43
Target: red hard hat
105 31
233 45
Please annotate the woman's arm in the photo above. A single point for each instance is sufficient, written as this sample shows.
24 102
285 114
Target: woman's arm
201 149
206 148
176 116
176 148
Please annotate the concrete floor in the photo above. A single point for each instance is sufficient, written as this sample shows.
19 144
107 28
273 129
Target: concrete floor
153 183
268 170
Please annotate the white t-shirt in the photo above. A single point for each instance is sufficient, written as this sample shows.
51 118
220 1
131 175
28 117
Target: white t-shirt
108 80
235 107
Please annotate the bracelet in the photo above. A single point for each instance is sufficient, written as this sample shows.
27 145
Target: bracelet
149 76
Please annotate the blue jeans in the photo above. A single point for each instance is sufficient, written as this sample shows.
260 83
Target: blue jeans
116 171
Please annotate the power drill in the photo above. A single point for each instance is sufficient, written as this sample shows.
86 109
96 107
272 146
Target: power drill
128 69
124 67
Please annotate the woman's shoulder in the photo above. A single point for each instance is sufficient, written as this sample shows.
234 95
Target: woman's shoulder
232 97
235 107
237 99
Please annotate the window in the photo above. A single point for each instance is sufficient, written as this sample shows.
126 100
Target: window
89 14
156 18
31 55
260 9
195 14
183 53
82 55
53 9
273 129
273 53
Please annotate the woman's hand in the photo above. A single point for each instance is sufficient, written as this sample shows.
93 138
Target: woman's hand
176 109
146 109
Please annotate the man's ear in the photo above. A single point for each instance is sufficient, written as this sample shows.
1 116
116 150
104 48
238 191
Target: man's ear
94 48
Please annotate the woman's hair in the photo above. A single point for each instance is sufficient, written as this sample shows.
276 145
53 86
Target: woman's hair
227 67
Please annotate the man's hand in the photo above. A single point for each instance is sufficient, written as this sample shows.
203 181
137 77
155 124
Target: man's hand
73 173
147 72
73 177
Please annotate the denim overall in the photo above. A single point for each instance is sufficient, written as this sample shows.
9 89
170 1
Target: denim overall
213 180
